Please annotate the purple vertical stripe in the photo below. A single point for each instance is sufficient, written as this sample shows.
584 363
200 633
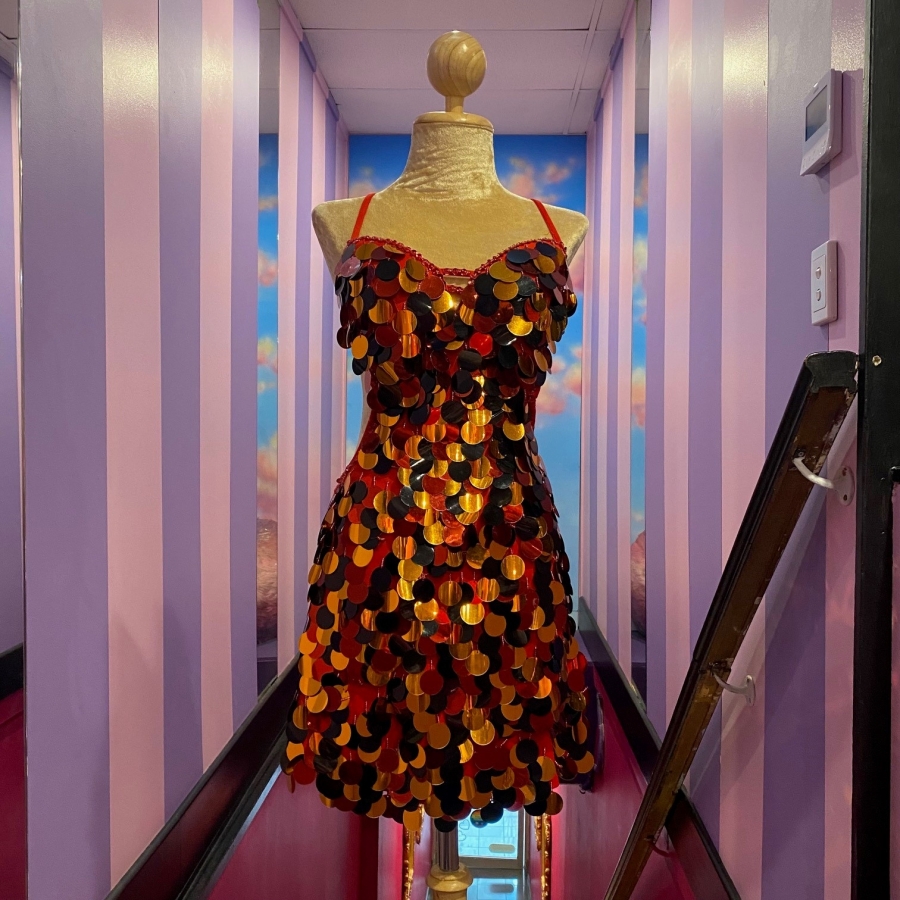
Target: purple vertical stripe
793 845
244 288
330 404
67 702
797 221
596 506
12 600
705 416
655 413
302 523
798 208
179 222
612 386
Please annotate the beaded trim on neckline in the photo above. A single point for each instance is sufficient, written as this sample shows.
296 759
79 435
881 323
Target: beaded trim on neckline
456 271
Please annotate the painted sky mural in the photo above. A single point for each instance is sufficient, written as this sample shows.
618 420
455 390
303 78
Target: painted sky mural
267 396
638 405
550 168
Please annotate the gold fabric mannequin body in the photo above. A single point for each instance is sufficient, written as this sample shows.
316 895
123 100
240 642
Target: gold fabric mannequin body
448 204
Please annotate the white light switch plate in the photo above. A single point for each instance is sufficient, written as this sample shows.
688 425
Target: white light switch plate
823 283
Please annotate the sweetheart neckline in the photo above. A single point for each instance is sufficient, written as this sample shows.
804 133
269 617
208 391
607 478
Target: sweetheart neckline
471 274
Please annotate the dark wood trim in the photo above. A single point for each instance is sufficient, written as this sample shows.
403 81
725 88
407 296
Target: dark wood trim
626 703
12 671
878 454
698 855
223 844
185 853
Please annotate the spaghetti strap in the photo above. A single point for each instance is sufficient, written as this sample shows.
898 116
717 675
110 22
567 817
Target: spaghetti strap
363 207
551 227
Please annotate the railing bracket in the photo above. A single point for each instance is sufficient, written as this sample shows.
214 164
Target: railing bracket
747 690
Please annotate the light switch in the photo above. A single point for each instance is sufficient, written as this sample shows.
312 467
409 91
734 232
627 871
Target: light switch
823 283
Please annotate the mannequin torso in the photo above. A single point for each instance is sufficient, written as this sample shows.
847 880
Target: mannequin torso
448 204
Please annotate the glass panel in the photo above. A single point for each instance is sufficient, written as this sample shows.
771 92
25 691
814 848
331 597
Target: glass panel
494 840
490 888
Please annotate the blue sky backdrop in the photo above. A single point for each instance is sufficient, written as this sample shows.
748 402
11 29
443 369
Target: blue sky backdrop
267 343
639 338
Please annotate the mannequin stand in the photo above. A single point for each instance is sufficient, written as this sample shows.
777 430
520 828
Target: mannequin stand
449 879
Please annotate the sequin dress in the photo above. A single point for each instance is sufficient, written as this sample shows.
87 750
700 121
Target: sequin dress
439 666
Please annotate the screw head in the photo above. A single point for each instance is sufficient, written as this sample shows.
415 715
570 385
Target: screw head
876 360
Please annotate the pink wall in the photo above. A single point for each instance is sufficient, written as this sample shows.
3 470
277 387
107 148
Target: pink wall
295 848
12 796
140 375
589 834
731 228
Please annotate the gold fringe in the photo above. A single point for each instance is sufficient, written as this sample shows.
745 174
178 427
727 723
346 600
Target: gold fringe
542 834
410 839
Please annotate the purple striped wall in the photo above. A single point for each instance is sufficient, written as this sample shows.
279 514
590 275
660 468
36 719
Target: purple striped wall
244 287
311 368
606 438
304 525
798 220
731 228
12 601
845 196
64 388
329 327
655 413
743 356
624 294
610 307
140 381
180 34
705 419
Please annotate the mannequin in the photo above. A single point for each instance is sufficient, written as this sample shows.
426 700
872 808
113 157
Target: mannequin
448 203
450 207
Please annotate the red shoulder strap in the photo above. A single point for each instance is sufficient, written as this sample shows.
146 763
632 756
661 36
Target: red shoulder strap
550 226
363 207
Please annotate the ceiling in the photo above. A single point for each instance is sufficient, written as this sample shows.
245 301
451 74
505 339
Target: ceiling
545 60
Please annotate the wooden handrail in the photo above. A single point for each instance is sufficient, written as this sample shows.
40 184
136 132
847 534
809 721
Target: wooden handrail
178 858
817 407
697 853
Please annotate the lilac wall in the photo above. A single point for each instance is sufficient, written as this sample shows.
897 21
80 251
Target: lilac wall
140 236
140 231
731 228
311 367
12 604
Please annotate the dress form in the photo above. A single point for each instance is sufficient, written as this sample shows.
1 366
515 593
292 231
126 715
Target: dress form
450 207
448 204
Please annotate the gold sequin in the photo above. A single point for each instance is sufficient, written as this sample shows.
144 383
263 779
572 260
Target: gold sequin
513 567
471 613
